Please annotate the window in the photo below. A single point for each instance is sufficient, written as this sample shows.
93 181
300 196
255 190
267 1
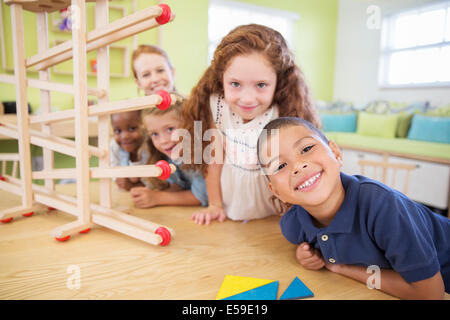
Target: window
225 15
416 48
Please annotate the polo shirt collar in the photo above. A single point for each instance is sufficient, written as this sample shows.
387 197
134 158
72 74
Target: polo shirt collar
343 221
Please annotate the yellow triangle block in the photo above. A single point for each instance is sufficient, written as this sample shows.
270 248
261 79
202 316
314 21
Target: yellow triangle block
232 285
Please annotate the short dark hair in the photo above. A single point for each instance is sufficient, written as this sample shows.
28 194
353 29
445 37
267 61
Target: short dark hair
284 122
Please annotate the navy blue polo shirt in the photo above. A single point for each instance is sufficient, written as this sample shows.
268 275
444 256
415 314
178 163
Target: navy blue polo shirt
377 225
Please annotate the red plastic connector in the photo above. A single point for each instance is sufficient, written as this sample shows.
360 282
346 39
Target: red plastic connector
63 239
165 235
165 167
29 214
166 100
6 220
165 15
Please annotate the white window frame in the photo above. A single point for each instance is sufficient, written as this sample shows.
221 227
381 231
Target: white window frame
289 16
387 49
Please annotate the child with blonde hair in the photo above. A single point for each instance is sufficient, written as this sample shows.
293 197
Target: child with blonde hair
252 79
184 187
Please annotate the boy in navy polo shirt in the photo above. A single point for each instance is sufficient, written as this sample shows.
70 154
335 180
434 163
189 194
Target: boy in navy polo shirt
347 223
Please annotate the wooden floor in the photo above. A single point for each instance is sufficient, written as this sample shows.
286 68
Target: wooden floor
33 265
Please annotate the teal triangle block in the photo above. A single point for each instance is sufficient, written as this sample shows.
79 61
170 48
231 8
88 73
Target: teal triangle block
266 292
296 290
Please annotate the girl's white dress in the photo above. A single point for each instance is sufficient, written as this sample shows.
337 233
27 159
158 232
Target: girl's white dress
244 187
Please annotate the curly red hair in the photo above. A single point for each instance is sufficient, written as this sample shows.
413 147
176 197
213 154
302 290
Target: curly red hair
291 94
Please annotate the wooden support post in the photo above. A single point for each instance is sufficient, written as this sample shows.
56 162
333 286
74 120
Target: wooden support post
129 171
59 204
22 104
70 229
102 20
127 229
77 48
96 209
106 29
15 212
135 221
9 157
104 173
104 108
68 148
69 173
53 117
42 34
48 85
132 104
59 144
14 169
81 111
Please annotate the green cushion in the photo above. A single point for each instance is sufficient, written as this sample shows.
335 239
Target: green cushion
405 146
377 125
404 111
403 125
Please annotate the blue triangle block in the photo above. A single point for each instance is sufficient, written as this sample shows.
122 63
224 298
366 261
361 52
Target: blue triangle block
296 290
265 292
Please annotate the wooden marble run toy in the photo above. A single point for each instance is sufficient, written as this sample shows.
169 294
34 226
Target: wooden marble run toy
82 42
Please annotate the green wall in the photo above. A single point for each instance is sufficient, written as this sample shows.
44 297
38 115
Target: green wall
186 41
315 40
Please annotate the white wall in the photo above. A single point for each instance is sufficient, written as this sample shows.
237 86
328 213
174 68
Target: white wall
357 56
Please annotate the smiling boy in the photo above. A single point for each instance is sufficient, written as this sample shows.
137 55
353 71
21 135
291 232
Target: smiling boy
347 223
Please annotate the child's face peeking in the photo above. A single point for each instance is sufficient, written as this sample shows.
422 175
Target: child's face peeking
153 73
306 171
249 83
160 129
127 128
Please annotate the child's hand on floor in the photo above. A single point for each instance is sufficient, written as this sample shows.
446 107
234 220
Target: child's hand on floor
309 258
144 197
209 214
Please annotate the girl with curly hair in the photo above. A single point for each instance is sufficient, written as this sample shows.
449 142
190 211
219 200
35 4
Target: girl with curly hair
252 79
